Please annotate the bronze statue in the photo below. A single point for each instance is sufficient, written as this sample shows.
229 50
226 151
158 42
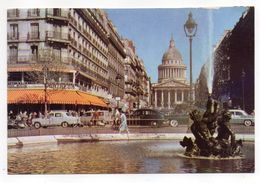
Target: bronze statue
203 129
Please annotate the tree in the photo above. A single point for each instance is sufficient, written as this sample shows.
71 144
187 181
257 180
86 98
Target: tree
47 69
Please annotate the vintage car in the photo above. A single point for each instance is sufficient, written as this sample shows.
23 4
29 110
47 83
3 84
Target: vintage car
239 116
57 118
96 118
14 124
150 117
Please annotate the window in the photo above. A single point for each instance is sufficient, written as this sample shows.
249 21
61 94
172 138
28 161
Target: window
13 54
56 12
14 31
35 34
33 12
57 114
239 114
34 53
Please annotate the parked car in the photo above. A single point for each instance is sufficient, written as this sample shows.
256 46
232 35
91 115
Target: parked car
241 117
99 118
14 124
57 118
150 117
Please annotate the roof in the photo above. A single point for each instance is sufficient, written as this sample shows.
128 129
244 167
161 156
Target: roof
36 96
172 53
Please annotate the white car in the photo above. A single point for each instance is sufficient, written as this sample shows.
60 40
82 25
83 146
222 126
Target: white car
239 116
60 118
104 117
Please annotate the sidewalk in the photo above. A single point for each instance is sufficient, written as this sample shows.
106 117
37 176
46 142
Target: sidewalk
21 141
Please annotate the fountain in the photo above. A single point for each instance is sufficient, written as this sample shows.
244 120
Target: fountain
206 143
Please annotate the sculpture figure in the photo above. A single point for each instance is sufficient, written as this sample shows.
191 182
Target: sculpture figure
203 129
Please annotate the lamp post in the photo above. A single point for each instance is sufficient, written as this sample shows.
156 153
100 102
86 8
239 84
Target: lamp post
118 78
190 29
243 74
45 75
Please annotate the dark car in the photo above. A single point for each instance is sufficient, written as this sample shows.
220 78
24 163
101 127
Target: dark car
150 117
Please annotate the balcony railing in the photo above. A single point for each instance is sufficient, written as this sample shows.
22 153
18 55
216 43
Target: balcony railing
33 13
28 59
73 21
12 36
57 13
60 85
54 35
13 13
40 57
33 35
73 42
12 59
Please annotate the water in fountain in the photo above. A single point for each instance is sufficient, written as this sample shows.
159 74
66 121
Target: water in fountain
210 64
210 73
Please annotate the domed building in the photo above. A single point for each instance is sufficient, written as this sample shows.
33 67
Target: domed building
172 87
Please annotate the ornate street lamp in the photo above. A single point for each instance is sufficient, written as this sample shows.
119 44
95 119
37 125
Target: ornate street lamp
190 29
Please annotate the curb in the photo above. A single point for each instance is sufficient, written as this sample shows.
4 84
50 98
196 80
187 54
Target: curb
21 141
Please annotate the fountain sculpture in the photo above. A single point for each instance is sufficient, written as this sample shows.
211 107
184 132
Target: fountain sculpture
206 143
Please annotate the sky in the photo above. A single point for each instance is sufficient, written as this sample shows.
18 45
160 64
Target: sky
151 30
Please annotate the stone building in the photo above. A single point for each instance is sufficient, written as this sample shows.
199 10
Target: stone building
137 83
172 87
84 44
76 38
116 56
234 64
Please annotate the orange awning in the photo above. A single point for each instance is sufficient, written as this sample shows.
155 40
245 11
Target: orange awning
36 96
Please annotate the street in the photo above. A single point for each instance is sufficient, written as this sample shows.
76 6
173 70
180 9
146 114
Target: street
31 131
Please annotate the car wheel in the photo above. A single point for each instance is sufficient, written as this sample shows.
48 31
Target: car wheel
64 124
153 124
37 125
247 123
173 123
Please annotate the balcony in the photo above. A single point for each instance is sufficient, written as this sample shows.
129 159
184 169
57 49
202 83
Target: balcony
13 36
13 13
73 42
87 34
33 36
31 13
73 21
130 90
60 37
56 14
80 27
79 66
60 85
27 59
12 59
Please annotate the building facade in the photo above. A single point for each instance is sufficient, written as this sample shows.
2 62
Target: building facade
116 56
172 87
85 48
234 64
74 38
137 83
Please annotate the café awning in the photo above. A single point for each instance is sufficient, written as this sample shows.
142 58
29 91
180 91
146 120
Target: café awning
36 96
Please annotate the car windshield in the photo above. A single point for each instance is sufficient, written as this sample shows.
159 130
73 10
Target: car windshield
68 114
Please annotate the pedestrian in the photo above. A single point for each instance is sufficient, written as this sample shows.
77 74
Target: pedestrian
11 115
117 118
123 126
40 115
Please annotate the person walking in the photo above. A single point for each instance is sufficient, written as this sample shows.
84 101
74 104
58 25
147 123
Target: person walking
116 119
123 126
